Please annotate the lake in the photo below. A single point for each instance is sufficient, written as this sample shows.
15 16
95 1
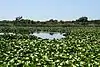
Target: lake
49 35
44 35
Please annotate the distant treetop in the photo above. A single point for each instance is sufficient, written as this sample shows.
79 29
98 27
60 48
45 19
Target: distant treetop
83 19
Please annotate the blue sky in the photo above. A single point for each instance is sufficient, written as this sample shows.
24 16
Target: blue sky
49 9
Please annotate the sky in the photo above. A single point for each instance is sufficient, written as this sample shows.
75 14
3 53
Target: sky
49 9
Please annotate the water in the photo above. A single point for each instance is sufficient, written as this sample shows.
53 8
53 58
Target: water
49 35
45 35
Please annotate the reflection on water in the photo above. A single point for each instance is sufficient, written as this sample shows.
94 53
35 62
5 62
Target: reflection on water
49 35
44 35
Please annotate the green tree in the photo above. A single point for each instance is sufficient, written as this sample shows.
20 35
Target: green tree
82 19
19 18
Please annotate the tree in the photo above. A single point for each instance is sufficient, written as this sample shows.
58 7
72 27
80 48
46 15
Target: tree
18 18
82 19
51 20
61 21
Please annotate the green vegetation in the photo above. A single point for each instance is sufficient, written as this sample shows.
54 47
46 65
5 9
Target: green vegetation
81 48
27 30
82 21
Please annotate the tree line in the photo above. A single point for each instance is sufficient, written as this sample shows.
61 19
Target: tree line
19 21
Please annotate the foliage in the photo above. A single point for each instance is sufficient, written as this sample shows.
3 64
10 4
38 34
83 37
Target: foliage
82 19
79 49
18 18
19 21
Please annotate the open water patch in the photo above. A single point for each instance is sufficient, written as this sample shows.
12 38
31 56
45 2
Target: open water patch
49 35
